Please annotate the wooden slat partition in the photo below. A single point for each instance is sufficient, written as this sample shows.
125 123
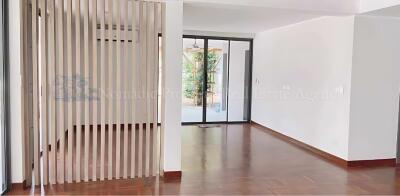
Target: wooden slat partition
35 101
162 107
94 63
155 90
102 90
51 84
134 87
60 94
149 40
142 69
26 92
125 79
110 87
70 93
118 93
85 90
92 97
78 90
43 92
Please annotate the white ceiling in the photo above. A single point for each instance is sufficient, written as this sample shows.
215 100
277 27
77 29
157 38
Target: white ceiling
252 16
332 6
239 19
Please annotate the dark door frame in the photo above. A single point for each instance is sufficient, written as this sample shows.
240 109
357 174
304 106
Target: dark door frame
6 97
205 74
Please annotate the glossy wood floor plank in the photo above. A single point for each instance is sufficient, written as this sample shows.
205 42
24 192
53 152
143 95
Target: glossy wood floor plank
246 159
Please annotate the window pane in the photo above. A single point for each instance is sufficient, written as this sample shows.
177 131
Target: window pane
239 81
192 80
217 77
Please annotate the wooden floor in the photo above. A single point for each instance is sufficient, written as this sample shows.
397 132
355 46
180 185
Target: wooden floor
245 159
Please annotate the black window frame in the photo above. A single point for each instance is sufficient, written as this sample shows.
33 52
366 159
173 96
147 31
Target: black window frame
204 117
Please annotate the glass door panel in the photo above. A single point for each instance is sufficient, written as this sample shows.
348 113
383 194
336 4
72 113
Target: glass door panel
217 80
192 80
239 81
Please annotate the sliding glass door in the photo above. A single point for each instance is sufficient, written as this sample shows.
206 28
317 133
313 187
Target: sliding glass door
239 81
193 80
216 79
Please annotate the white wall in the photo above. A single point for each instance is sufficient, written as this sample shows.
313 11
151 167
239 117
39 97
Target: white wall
370 5
301 82
172 81
15 91
375 88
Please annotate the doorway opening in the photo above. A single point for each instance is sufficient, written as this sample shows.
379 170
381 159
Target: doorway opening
216 80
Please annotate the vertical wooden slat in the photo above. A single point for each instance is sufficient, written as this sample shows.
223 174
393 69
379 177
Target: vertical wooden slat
70 87
118 88
110 89
26 80
102 87
79 91
125 77
43 68
149 79
155 90
161 157
133 83
140 149
61 97
85 90
141 68
24 93
51 97
35 93
94 101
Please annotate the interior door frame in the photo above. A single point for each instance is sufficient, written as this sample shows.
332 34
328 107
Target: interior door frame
205 75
